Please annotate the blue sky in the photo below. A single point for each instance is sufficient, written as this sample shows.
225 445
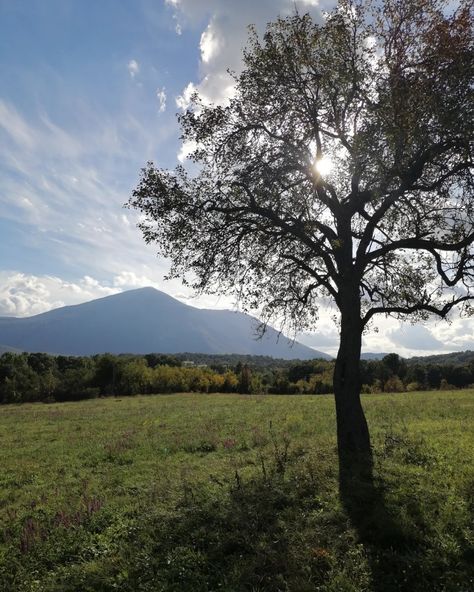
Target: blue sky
90 91
79 116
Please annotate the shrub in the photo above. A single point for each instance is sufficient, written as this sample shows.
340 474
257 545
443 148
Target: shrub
394 385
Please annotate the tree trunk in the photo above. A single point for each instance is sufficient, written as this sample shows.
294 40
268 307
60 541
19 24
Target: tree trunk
358 492
353 438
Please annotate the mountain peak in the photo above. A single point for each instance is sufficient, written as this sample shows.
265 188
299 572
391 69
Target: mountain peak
141 321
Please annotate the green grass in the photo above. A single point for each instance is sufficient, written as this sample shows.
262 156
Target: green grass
226 492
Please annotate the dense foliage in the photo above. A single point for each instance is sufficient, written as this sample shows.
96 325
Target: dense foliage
30 377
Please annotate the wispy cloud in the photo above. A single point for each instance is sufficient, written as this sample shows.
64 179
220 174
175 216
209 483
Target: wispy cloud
70 188
161 96
133 68
14 125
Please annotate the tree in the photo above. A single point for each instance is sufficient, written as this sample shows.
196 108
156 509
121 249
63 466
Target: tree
245 380
341 168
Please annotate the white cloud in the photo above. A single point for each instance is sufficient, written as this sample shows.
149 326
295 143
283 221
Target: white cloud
71 179
184 101
456 335
186 149
224 37
129 279
161 96
387 334
415 337
23 295
226 33
325 338
209 43
67 188
133 68
15 126
26 295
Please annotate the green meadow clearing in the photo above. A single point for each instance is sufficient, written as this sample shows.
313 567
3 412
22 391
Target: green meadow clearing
202 493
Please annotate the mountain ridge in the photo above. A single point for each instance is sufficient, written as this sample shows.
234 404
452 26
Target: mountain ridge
144 320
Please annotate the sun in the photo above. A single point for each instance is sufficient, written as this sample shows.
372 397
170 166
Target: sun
323 166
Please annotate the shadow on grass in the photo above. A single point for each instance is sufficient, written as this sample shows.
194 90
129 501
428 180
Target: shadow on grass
377 527
251 535
283 530
399 538
281 527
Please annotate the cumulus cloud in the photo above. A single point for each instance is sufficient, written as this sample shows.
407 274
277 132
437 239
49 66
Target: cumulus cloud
183 101
133 68
223 38
23 295
319 340
209 43
26 295
456 335
226 32
129 279
326 336
435 336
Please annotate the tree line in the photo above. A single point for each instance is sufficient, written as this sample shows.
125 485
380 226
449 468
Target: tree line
34 377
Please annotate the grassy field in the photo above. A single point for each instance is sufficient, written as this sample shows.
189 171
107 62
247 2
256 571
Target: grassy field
224 492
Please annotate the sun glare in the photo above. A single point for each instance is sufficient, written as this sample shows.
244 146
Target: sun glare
323 166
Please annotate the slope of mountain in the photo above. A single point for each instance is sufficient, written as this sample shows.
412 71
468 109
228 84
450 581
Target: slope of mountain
373 355
462 357
6 348
142 321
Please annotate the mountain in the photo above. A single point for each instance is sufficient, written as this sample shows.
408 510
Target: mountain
373 355
462 357
6 348
142 321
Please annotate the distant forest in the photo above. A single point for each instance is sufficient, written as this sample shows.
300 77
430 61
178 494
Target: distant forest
32 377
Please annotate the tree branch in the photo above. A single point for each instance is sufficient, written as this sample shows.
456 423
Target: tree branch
441 312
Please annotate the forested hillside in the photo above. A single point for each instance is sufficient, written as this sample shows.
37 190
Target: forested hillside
41 377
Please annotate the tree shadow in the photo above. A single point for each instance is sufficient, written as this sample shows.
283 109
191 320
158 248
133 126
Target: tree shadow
396 536
377 527
282 529
237 539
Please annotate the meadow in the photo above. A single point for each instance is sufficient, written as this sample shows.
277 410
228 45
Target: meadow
201 493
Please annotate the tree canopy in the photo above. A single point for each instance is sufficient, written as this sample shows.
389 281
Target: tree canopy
341 168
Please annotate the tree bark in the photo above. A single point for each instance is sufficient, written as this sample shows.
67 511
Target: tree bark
353 438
